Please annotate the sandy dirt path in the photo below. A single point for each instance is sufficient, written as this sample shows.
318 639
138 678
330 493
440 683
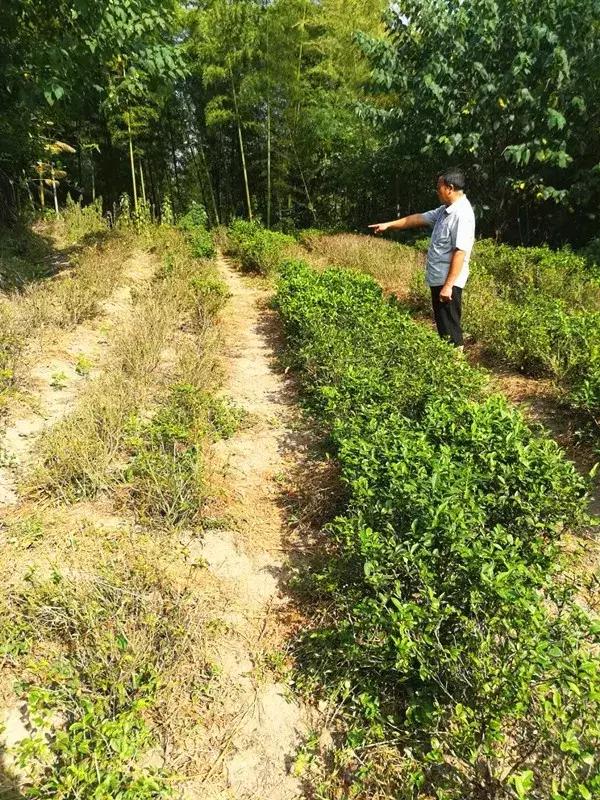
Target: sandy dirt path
255 727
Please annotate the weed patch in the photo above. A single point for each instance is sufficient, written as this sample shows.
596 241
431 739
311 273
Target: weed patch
81 456
165 475
96 646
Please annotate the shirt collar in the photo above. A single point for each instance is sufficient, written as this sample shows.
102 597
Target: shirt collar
451 209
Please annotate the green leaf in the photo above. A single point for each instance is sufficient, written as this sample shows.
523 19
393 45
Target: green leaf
556 119
523 783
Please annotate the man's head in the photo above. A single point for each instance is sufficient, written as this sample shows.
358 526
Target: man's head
450 185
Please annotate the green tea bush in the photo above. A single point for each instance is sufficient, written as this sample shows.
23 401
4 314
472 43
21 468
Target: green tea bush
536 310
258 249
540 335
194 224
521 273
445 624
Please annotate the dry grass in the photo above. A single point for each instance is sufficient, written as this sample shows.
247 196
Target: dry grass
103 612
78 457
113 634
84 454
74 295
59 302
393 265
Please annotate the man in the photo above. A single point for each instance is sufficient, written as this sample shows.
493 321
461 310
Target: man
451 243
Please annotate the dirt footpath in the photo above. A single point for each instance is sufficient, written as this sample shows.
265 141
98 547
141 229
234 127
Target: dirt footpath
255 727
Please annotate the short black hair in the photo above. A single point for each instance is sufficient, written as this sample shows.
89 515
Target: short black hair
454 177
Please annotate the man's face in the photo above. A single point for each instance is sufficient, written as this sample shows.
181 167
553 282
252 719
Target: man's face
443 192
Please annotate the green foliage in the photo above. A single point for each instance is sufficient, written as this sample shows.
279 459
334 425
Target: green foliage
201 243
520 274
167 216
445 624
79 221
102 58
165 474
59 380
308 236
196 217
539 311
83 365
95 645
258 249
512 99
224 416
591 253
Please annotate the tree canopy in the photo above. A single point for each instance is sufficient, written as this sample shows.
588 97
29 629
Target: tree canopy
307 113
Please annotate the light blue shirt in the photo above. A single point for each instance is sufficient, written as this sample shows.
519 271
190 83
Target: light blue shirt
453 229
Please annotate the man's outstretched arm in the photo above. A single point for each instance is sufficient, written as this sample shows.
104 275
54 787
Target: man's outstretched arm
412 221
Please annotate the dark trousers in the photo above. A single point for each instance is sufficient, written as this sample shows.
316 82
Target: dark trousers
447 315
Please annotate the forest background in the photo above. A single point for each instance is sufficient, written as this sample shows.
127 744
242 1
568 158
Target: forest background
305 113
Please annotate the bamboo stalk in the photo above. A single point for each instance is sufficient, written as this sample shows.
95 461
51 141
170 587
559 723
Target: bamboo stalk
132 162
142 183
241 141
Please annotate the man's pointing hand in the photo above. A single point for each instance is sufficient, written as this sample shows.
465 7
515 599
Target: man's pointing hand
380 227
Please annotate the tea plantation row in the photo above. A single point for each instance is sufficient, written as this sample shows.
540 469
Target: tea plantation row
446 628
538 310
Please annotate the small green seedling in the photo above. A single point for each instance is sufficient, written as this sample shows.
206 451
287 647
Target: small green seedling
59 380
83 366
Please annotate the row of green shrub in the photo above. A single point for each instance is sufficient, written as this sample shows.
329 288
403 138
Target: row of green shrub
445 627
258 249
537 310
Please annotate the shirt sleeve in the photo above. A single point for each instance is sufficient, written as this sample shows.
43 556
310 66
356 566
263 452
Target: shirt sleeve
465 233
431 217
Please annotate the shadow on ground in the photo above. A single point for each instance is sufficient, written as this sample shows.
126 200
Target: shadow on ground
28 256
9 786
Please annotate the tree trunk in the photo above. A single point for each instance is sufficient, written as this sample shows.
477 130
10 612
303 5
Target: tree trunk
268 130
200 148
269 163
28 191
152 191
54 189
309 202
299 69
174 160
